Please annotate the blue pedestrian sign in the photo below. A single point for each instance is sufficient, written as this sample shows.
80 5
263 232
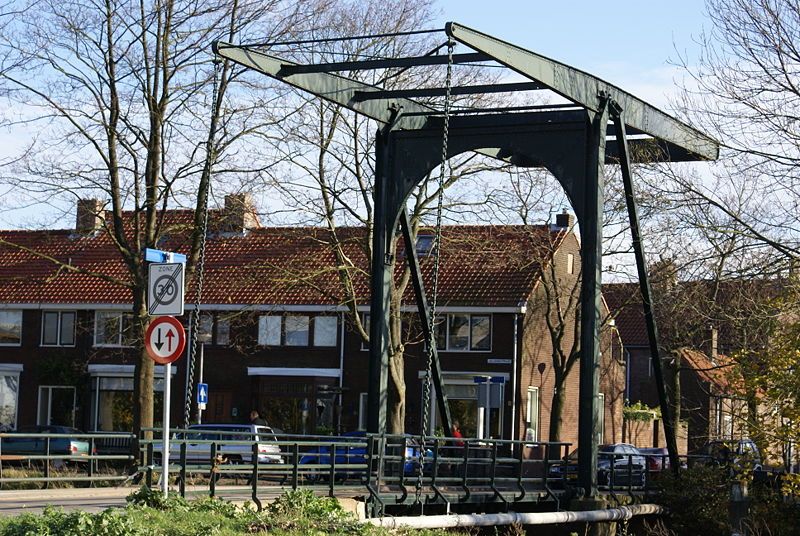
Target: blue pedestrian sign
202 393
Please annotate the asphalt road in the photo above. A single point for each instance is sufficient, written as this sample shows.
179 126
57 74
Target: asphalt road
15 502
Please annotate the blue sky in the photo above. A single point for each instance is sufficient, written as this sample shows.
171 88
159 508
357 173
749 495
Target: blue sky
625 42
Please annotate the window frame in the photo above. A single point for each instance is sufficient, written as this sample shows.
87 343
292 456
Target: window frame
310 329
19 343
470 345
214 333
532 414
60 329
313 330
120 334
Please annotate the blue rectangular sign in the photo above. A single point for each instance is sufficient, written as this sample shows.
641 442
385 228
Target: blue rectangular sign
156 255
202 393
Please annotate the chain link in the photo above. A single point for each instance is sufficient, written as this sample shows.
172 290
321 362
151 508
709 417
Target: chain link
426 397
194 321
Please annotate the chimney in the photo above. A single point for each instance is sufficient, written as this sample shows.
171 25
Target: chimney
564 220
90 216
240 213
714 345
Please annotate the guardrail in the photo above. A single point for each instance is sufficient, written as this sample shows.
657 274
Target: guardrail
390 469
50 455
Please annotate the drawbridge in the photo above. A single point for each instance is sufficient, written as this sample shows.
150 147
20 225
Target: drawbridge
595 125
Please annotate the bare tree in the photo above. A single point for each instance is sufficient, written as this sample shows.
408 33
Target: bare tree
119 103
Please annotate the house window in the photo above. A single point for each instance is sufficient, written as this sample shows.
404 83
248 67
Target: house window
10 328
362 411
223 331
365 323
424 245
570 263
213 330
296 330
463 332
113 328
325 330
205 329
532 415
269 330
57 404
600 420
9 396
58 328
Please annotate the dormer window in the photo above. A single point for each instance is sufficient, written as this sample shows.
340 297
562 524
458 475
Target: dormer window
424 244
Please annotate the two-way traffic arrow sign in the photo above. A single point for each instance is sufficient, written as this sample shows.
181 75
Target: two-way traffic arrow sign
165 339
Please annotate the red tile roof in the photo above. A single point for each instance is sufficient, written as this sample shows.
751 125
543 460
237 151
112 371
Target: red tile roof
720 373
625 304
480 265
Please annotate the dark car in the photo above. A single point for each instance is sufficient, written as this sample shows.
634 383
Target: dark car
31 441
350 456
618 465
736 453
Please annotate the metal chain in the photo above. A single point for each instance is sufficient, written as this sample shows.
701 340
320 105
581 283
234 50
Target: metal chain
435 280
194 321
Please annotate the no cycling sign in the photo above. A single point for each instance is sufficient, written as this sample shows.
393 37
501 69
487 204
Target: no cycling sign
165 289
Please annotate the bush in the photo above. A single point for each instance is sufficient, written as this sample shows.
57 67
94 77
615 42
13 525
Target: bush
698 504
111 522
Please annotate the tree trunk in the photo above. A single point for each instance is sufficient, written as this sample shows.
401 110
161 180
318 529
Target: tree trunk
557 409
143 384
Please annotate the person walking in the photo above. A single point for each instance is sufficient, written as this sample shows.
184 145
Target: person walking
255 418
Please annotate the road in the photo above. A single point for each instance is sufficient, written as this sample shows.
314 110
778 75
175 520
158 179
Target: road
15 502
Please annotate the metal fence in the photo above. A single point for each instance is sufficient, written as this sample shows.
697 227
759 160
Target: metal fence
50 458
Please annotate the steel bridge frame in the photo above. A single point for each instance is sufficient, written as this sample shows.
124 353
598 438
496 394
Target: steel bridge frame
573 142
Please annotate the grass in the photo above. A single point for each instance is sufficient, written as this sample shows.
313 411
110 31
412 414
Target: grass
148 512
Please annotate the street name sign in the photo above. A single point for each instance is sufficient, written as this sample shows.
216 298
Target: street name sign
165 339
165 289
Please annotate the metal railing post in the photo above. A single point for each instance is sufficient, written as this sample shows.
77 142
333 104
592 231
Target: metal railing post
149 465
182 487
92 461
47 463
296 465
212 483
332 475
254 477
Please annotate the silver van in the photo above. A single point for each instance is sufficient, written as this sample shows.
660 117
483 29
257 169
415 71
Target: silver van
199 438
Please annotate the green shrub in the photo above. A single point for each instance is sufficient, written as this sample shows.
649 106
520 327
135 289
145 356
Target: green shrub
151 498
697 501
54 521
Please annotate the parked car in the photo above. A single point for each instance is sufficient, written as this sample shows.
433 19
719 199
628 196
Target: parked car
353 451
618 465
657 459
736 453
22 443
200 436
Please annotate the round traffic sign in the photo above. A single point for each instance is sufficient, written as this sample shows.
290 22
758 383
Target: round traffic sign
165 339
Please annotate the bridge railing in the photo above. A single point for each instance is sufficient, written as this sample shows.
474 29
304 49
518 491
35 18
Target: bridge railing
394 469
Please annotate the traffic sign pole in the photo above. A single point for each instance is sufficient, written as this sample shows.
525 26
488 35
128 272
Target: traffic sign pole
165 447
201 407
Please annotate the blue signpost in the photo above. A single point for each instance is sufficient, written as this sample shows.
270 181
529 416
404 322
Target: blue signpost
202 395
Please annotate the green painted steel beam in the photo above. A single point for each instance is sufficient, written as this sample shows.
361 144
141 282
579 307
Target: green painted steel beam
585 89
332 87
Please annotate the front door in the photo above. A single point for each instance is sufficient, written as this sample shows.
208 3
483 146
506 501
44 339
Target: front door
220 404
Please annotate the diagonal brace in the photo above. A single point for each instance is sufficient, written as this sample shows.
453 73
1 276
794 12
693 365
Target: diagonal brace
644 284
424 314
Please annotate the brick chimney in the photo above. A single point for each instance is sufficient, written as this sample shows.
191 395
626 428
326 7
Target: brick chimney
565 220
90 216
240 213
713 350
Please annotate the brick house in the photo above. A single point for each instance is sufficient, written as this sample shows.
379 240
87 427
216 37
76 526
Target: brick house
276 334
710 404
